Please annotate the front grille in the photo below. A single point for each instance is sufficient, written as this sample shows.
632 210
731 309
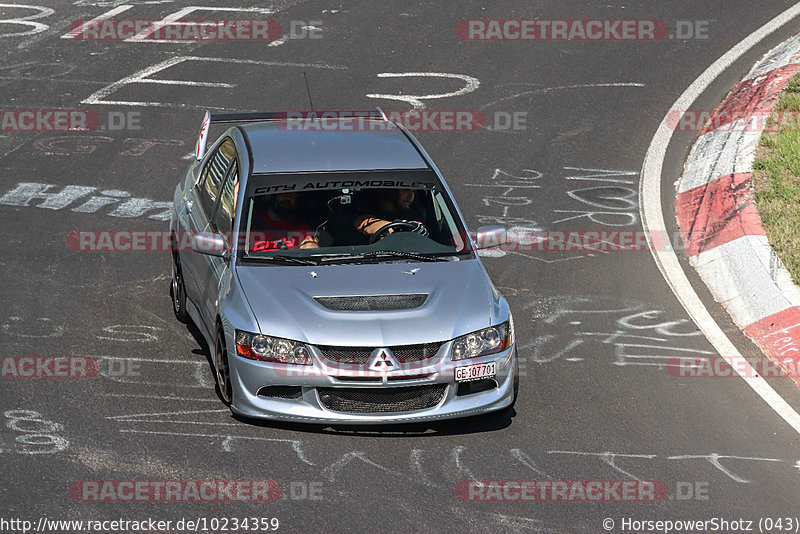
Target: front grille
413 353
373 302
362 355
381 400
356 355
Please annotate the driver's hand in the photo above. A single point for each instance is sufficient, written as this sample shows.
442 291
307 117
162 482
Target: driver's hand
418 227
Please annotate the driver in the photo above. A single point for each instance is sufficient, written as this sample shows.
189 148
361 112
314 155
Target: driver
389 207
279 227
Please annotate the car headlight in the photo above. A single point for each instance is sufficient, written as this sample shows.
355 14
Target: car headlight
482 343
271 349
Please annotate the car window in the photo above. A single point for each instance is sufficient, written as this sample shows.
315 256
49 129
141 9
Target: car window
213 173
327 214
223 220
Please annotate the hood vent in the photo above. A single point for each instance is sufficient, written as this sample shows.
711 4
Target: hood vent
363 303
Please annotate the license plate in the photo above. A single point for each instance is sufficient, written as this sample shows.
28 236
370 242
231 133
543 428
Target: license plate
476 372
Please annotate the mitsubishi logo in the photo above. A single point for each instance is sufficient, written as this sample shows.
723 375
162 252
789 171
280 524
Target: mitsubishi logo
382 360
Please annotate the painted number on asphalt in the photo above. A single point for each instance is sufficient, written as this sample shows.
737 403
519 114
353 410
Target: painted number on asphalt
28 20
37 434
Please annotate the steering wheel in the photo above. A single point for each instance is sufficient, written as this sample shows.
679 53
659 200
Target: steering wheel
396 225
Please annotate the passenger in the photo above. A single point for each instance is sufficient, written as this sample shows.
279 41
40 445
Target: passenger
278 226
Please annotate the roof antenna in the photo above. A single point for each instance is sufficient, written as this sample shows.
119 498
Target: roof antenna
308 91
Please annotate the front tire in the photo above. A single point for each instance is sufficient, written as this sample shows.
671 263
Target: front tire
222 370
516 381
178 290
508 410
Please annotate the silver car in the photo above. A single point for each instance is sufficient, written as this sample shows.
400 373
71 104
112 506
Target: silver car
331 273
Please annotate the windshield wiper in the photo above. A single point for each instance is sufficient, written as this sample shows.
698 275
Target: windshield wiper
377 254
285 259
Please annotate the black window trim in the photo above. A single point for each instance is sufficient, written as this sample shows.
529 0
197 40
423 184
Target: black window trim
210 216
228 173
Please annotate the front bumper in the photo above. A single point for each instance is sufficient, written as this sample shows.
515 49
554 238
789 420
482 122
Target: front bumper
248 377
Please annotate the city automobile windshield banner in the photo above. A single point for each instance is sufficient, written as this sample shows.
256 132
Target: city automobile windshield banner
268 184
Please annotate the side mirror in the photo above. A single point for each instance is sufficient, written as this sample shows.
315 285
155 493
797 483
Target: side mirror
210 243
490 236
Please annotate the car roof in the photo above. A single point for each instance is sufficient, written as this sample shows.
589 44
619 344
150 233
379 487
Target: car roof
310 145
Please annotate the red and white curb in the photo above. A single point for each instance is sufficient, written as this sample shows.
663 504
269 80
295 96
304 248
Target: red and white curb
724 238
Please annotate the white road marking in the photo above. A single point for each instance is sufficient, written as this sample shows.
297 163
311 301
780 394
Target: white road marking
227 440
464 470
183 82
279 41
470 85
54 80
714 458
36 436
28 20
333 470
172 421
105 16
130 332
617 197
142 76
139 415
151 360
163 397
653 221
544 90
603 175
416 467
142 37
609 458
526 460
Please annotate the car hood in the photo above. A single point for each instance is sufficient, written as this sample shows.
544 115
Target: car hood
460 300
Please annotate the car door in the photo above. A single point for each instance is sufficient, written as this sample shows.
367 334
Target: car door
204 199
217 269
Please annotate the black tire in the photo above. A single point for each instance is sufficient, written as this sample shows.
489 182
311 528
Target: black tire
222 371
508 410
516 382
178 290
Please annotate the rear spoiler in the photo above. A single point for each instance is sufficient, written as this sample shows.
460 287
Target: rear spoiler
238 118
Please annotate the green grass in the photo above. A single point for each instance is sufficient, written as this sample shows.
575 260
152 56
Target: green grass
777 182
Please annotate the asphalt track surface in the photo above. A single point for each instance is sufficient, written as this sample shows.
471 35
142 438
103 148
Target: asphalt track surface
592 392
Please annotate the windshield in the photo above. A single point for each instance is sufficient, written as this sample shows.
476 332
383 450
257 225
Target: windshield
329 217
